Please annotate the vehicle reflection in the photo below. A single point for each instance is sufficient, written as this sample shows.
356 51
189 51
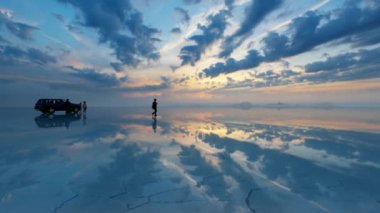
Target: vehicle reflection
55 121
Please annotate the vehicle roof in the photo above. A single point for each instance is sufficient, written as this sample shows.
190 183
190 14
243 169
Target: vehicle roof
45 99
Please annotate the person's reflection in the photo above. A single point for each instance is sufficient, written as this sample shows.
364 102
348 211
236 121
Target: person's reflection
84 119
154 125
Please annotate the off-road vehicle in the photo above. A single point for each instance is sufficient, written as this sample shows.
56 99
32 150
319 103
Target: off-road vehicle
49 106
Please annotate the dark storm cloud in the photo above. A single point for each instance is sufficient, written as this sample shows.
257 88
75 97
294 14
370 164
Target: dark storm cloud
120 25
184 14
254 14
306 32
209 34
18 29
13 54
176 30
94 76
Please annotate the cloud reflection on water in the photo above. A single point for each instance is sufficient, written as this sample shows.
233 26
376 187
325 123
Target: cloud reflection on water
216 160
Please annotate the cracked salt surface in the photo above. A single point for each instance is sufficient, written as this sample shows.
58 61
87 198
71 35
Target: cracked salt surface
220 160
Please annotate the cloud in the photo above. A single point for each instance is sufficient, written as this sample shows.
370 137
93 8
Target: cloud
229 4
338 62
73 28
306 32
3 40
192 1
346 61
181 80
12 54
120 25
254 14
363 39
209 34
264 79
173 67
231 84
358 73
110 82
59 17
359 65
94 76
362 64
118 67
18 29
165 84
184 14
176 30
253 59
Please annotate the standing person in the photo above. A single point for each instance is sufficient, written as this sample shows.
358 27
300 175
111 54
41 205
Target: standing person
84 106
154 107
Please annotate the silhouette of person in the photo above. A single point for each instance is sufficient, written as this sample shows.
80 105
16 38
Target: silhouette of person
154 107
84 106
154 125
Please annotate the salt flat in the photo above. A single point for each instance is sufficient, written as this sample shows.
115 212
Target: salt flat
190 160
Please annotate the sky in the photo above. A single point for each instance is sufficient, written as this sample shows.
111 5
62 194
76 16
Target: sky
186 52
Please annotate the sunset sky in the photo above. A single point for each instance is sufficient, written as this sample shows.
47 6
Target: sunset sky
183 52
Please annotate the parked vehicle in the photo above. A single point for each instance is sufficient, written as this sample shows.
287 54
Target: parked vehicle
49 106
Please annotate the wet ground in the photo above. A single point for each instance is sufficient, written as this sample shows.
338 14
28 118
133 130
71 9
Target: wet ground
190 160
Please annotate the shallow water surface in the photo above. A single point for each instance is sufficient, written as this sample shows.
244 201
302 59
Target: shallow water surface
190 160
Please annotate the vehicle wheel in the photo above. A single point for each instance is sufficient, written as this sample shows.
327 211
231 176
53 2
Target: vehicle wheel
51 110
